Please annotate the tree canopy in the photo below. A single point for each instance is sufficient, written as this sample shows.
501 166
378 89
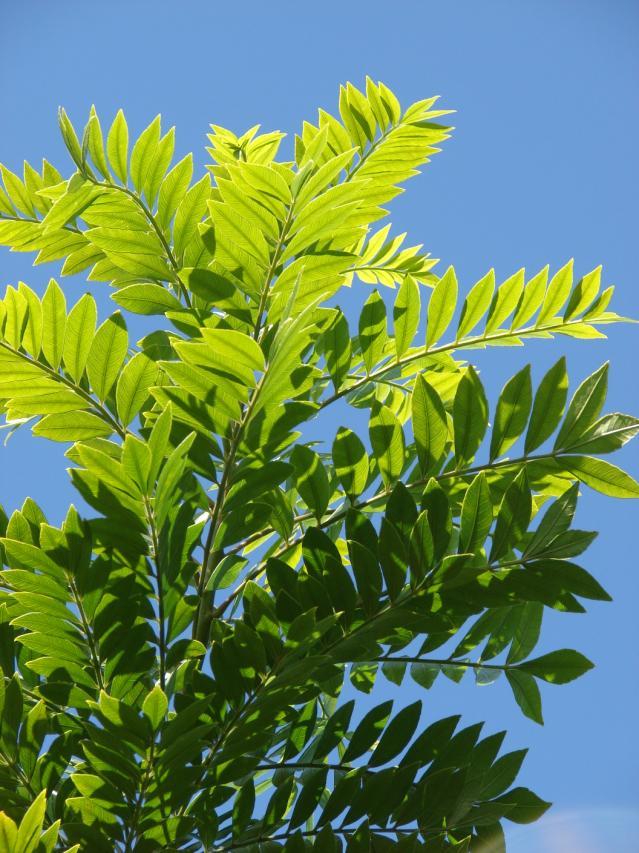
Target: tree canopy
177 656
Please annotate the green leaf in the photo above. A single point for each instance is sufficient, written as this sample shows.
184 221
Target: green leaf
54 319
387 440
107 354
368 731
118 146
132 389
8 833
513 517
505 301
155 706
95 143
526 694
531 298
548 407
336 343
406 313
309 797
143 153
584 294
513 409
601 476
584 408
556 294
558 667
421 551
608 433
523 805
430 427
72 426
232 347
476 515
147 299
397 735
70 139
441 307
476 304
556 520
372 330
173 189
351 462
80 329
470 417
30 827
311 479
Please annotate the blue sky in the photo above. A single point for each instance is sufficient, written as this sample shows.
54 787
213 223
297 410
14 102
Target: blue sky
543 167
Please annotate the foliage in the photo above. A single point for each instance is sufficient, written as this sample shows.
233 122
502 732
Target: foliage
174 658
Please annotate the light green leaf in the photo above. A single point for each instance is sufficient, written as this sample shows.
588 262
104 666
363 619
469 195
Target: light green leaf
406 314
95 143
513 409
54 318
548 407
387 440
350 461
584 294
30 827
336 343
155 706
311 479
602 476
80 330
531 298
556 294
230 346
118 146
441 307
372 330
513 517
584 408
132 389
72 426
476 304
143 153
107 354
430 427
505 301
476 515
470 416
173 189
147 299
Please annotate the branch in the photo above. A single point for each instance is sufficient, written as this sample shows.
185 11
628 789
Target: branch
98 408
210 560
150 518
473 341
339 514
158 231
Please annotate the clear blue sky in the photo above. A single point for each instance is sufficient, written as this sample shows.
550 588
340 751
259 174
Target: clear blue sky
543 166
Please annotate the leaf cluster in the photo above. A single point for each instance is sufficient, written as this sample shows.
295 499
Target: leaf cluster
177 656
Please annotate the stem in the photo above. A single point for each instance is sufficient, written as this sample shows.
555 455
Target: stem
77 389
310 833
158 231
93 649
211 559
439 662
436 350
158 582
146 778
338 515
